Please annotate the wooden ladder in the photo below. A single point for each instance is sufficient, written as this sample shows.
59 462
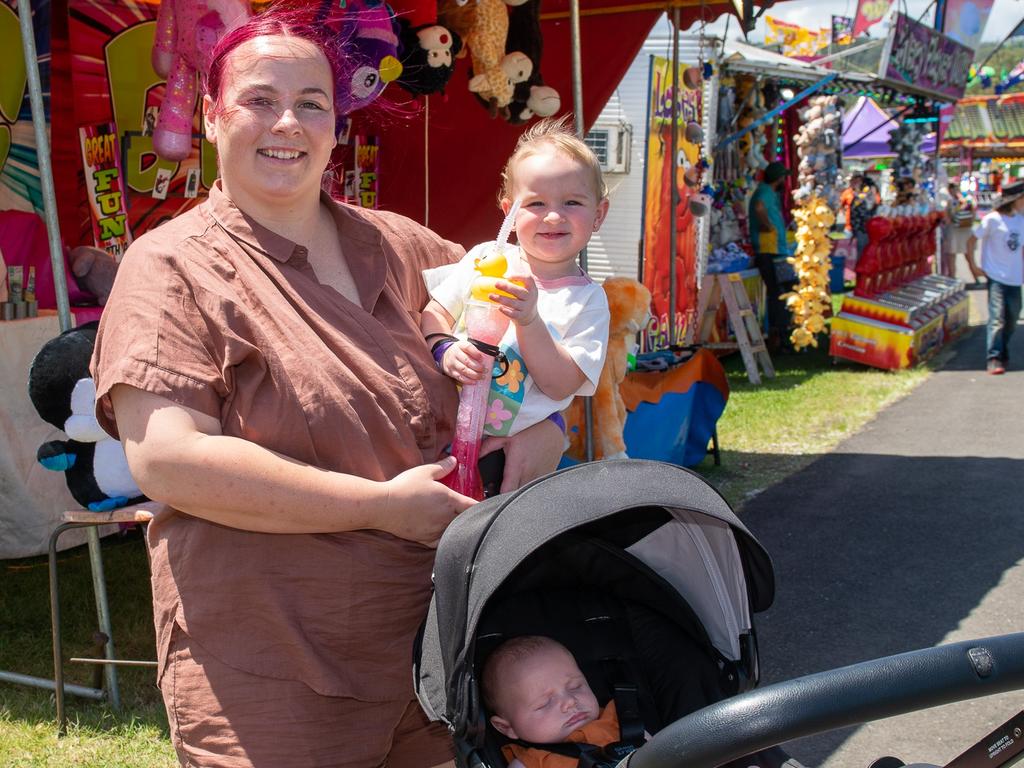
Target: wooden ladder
749 341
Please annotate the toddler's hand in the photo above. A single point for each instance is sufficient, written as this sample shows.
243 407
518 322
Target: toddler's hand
465 363
522 309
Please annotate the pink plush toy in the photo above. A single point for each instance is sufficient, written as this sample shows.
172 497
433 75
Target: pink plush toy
186 32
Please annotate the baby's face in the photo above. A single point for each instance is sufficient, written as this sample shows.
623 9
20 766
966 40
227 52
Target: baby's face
545 698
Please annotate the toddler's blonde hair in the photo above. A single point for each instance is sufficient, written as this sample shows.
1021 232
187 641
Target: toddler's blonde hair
554 134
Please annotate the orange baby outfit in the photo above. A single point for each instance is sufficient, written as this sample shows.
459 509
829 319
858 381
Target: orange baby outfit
600 732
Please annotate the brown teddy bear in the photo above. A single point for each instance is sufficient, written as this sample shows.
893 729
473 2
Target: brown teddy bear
94 270
629 304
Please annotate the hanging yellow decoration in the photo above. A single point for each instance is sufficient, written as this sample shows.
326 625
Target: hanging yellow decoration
811 297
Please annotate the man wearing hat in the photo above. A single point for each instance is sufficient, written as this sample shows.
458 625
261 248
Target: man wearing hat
1001 233
768 238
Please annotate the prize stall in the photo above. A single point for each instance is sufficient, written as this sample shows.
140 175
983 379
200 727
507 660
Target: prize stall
900 313
94 150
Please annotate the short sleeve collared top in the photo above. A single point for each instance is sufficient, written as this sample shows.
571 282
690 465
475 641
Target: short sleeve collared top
217 313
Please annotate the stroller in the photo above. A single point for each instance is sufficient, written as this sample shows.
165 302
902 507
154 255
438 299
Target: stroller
645 574
639 568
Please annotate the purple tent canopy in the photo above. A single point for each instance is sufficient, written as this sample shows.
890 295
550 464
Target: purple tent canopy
860 137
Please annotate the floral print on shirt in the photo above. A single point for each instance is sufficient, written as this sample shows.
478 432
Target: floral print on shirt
506 395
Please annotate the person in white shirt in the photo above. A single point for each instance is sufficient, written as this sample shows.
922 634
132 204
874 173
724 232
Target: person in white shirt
1001 233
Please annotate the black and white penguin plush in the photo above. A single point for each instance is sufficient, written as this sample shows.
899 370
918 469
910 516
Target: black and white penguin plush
64 394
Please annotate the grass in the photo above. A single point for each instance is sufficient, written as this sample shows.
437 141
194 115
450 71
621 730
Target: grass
774 429
766 433
136 737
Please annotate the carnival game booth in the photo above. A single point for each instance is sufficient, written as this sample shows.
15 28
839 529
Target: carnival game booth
985 130
900 313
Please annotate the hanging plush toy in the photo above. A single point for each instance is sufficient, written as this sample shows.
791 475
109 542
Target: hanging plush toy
427 49
530 97
428 57
371 31
483 26
816 194
186 32
61 390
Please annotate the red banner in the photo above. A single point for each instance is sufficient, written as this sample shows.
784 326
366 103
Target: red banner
869 13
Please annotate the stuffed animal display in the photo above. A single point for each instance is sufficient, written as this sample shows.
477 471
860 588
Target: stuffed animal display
629 304
370 28
810 299
905 140
428 57
817 142
186 32
93 463
483 26
530 97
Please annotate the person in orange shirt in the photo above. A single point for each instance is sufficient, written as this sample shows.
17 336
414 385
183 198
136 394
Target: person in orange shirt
848 196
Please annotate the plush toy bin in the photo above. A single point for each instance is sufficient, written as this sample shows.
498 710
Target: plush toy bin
672 407
639 568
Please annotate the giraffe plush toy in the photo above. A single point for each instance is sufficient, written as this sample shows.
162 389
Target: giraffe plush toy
483 27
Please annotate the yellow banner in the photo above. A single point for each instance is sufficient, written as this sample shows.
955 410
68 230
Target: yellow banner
795 40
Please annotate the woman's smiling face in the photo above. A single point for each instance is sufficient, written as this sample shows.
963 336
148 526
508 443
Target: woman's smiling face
273 123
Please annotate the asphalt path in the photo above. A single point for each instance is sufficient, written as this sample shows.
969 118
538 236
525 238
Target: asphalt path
908 535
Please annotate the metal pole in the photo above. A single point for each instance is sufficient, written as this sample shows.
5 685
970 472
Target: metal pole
96 694
577 106
673 185
35 95
99 586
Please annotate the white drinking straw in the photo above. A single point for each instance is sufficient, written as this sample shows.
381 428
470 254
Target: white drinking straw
506 225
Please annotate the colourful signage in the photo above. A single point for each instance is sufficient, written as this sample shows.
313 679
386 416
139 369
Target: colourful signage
104 180
917 55
659 220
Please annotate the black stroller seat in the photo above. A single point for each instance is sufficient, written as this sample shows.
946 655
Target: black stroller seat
639 568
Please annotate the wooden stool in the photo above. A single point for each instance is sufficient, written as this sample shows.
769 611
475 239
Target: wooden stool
138 514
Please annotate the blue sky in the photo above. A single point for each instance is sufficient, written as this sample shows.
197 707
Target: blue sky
818 13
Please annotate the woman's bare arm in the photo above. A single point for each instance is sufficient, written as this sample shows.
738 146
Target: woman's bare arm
178 456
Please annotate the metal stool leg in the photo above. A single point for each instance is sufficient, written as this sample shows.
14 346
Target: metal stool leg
99 586
58 656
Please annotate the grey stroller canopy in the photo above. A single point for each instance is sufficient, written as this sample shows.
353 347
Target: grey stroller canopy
639 567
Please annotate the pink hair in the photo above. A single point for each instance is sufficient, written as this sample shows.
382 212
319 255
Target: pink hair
305 23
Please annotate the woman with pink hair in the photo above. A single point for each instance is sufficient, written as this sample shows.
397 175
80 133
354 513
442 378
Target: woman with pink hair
261 361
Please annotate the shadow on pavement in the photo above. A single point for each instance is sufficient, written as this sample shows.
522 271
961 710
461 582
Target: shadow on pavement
879 554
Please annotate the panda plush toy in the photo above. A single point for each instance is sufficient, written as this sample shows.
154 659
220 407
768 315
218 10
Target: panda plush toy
93 463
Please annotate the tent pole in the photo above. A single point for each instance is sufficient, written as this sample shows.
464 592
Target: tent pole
577 108
35 94
673 185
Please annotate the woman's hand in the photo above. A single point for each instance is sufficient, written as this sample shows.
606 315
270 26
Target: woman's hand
465 363
419 507
530 454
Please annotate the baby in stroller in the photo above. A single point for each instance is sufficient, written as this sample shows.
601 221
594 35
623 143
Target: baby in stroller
651 595
540 700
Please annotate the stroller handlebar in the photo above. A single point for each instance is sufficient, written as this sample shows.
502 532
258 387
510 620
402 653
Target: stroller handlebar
824 701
